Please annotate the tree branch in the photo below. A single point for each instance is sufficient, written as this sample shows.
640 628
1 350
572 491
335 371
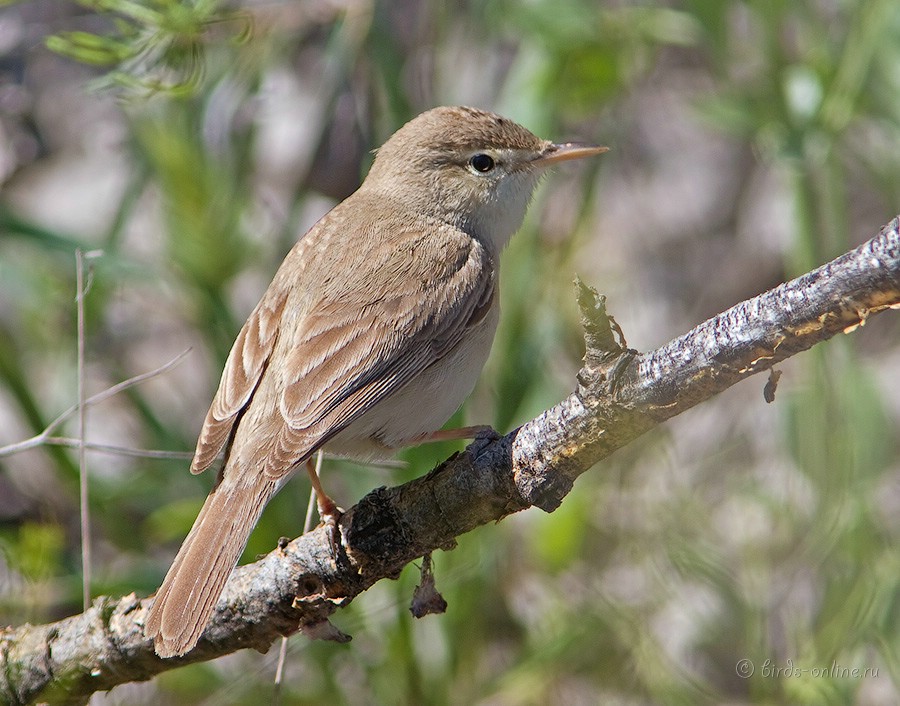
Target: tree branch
621 394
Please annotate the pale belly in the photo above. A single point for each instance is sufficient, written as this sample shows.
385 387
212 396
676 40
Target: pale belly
424 404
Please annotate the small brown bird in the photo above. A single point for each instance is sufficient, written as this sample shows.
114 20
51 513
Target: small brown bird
369 338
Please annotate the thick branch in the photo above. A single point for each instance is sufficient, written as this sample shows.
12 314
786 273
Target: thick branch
621 395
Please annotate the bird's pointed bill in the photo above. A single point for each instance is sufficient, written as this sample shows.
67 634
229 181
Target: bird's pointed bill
565 151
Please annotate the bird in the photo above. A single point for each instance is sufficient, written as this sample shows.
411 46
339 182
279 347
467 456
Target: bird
372 333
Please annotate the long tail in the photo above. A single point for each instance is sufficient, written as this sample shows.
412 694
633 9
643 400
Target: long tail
210 552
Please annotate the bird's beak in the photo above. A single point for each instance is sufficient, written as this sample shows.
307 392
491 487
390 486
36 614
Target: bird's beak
554 153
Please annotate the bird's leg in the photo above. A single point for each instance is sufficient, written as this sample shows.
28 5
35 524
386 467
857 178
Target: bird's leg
481 436
327 507
329 512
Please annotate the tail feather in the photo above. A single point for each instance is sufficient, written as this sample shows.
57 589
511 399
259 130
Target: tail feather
210 552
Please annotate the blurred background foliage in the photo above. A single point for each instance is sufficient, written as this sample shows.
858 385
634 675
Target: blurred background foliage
751 141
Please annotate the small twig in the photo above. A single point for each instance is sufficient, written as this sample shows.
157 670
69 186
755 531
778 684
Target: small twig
310 507
119 450
307 526
82 422
279 670
43 437
137 379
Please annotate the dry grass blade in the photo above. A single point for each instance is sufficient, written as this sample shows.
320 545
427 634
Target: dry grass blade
45 437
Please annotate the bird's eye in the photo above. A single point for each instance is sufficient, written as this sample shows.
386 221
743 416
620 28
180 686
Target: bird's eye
481 162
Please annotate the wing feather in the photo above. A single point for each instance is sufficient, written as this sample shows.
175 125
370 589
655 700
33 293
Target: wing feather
243 370
342 326
348 358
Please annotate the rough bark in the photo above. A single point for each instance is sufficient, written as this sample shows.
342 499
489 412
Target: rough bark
621 394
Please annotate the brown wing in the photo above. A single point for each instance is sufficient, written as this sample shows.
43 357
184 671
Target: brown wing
349 354
337 351
243 370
